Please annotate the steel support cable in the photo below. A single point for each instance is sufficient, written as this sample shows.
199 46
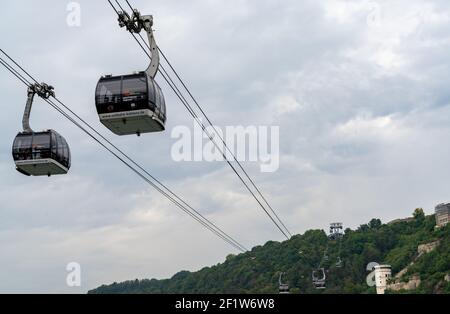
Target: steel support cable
129 5
183 100
324 255
223 141
218 134
181 97
221 234
142 176
243 248
130 159
18 76
164 187
209 121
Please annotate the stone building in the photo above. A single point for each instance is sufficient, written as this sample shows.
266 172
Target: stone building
442 213
383 274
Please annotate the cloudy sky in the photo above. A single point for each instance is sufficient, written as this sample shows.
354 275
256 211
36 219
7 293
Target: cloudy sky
358 88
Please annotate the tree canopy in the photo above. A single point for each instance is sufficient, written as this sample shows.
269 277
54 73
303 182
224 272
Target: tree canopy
257 271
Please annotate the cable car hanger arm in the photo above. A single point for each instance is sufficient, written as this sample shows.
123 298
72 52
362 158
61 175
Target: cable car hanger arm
43 90
135 24
27 112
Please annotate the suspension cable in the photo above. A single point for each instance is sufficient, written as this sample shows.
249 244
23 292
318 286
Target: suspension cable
183 100
223 141
127 157
324 256
168 193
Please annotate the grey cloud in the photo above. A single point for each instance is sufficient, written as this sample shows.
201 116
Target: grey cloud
363 116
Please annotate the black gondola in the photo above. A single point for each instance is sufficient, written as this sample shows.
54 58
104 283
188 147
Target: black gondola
43 153
130 104
133 104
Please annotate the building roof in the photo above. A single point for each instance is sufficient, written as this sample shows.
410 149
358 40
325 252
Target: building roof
382 266
441 208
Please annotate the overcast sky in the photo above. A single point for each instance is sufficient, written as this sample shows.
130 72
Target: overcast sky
358 88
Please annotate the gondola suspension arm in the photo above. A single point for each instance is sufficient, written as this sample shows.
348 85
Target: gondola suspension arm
135 24
42 90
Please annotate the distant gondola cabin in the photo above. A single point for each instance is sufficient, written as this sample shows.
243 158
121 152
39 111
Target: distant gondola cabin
43 153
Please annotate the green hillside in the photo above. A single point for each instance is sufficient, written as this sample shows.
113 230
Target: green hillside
257 271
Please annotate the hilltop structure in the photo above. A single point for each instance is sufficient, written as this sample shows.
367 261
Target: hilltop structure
336 230
382 275
442 212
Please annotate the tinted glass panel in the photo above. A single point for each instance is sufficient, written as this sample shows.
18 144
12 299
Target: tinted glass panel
18 142
23 141
60 148
41 146
67 164
134 88
22 147
151 92
54 146
134 92
157 97
41 141
162 103
108 91
65 156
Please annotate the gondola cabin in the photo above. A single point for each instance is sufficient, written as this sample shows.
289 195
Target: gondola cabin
319 282
130 104
41 153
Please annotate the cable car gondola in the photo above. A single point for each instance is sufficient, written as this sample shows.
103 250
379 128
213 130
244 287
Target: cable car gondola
283 288
134 103
43 153
319 282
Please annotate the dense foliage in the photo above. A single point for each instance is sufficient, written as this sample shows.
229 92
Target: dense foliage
257 271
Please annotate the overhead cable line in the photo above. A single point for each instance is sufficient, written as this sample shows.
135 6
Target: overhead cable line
224 143
178 201
284 230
